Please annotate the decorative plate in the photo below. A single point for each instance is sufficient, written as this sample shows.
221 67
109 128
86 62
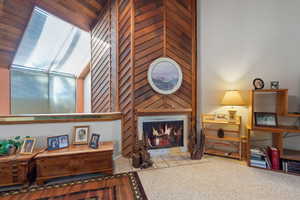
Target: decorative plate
165 76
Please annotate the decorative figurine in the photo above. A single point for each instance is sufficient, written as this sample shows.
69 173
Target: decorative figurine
275 85
221 133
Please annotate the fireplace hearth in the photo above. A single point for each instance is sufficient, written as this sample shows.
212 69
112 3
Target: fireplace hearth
164 134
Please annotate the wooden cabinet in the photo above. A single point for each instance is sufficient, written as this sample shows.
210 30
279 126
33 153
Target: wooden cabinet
75 160
16 169
230 145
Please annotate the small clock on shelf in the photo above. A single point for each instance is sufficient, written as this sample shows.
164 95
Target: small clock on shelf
258 84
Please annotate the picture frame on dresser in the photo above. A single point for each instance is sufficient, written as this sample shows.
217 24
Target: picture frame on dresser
58 142
81 134
28 146
94 142
52 143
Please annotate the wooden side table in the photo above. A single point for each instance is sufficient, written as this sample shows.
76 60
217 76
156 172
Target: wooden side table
232 137
75 160
16 169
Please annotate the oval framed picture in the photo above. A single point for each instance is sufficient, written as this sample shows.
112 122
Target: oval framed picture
165 75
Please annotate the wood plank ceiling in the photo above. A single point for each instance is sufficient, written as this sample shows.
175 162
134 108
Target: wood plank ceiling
15 15
146 30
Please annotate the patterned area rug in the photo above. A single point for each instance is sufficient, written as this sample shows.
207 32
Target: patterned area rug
126 186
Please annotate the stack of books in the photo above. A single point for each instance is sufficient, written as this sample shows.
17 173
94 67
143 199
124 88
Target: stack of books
291 166
258 158
267 157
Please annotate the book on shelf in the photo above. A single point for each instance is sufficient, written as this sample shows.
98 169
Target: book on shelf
274 157
265 157
291 166
258 158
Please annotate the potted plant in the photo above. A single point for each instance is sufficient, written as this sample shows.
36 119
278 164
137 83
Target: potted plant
9 147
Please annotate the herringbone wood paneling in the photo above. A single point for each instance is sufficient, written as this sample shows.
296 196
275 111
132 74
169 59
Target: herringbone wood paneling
101 62
145 30
149 44
125 74
104 61
179 37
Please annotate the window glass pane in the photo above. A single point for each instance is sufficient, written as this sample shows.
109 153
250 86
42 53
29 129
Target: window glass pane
62 94
75 54
29 92
52 44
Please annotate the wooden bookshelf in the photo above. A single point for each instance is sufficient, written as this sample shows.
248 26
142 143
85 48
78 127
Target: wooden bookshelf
279 129
232 136
277 132
293 114
223 154
290 154
226 138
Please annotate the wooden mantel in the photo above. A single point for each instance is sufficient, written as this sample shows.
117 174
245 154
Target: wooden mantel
144 112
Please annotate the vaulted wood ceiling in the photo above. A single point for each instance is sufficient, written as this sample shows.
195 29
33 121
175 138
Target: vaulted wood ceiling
15 14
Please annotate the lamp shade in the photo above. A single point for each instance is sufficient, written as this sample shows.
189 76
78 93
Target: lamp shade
232 98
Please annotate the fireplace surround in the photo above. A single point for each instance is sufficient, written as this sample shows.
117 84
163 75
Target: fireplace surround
164 133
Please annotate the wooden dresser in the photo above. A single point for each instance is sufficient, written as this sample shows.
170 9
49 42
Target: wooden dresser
75 160
16 169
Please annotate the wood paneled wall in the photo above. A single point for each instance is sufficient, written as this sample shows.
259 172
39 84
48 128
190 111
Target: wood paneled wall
125 73
103 63
81 13
145 31
149 29
15 15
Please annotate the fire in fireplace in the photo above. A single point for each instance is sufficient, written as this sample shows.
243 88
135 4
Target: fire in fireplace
163 134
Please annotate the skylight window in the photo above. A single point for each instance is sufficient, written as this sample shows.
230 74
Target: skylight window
52 45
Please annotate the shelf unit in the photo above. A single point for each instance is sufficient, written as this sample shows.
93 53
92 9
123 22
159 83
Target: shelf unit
232 136
277 132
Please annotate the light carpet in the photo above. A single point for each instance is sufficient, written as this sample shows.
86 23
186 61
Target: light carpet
218 179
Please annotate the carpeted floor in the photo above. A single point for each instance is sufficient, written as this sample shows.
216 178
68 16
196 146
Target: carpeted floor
217 178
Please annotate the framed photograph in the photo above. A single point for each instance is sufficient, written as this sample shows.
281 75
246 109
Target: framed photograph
265 119
28 146
81 134
165 76
63 141
53 143
94 142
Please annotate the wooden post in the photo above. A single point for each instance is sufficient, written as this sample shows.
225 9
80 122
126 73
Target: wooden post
79 95
5 91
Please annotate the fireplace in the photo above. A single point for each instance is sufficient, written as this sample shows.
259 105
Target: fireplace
164 134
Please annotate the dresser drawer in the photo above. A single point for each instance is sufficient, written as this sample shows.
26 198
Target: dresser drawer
13 173
74 164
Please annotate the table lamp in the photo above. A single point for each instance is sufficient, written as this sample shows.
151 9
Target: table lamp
232 98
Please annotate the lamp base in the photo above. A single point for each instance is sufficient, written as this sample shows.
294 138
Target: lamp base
232 115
